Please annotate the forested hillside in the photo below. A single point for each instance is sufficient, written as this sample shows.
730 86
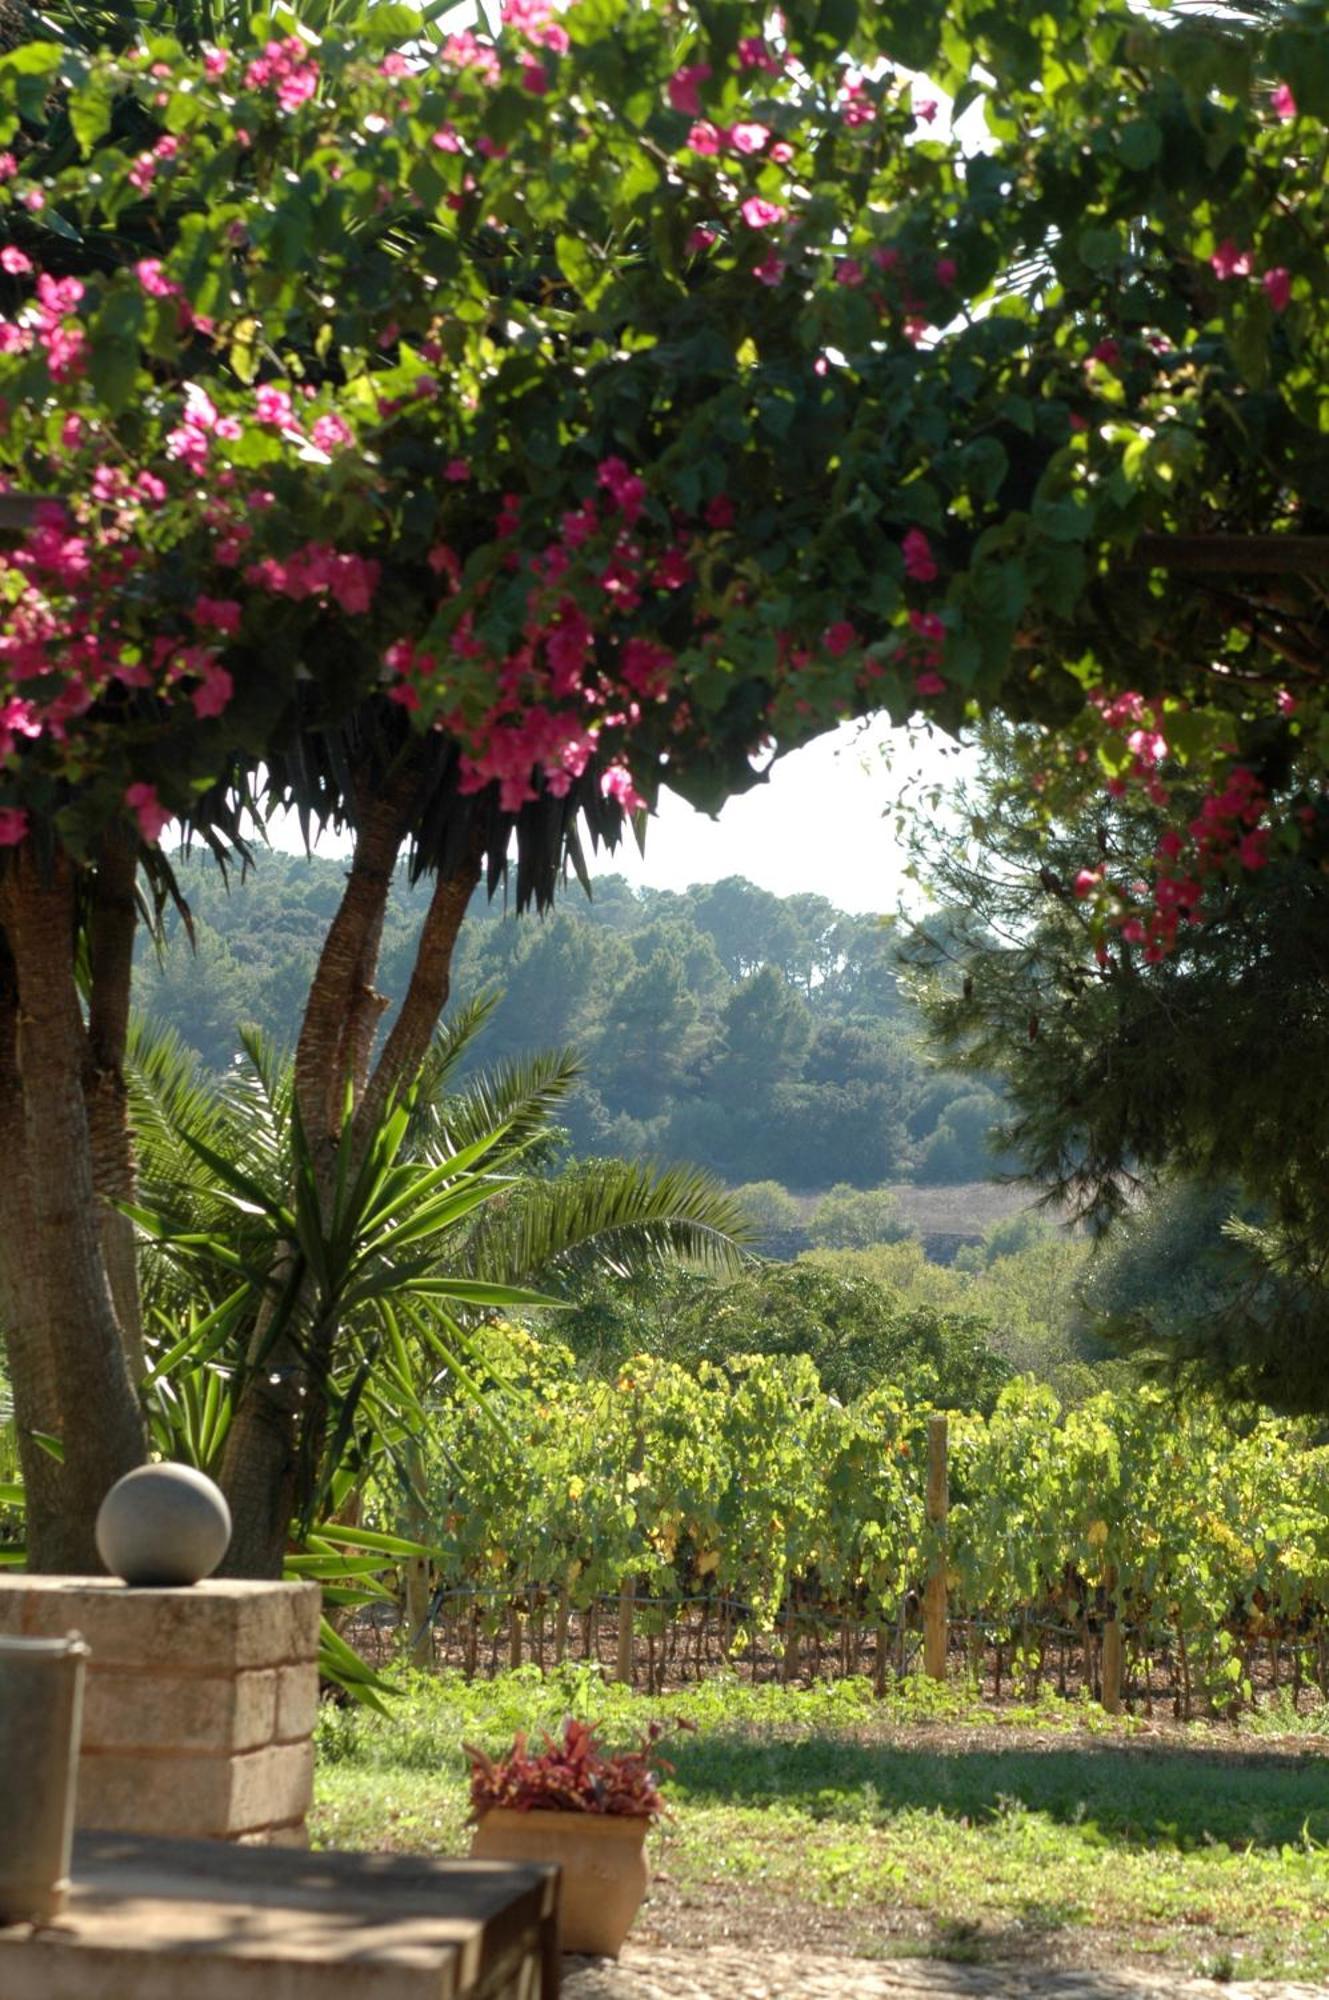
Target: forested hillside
764 1037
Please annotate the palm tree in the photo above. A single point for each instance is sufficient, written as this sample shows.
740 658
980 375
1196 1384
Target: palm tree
455 1212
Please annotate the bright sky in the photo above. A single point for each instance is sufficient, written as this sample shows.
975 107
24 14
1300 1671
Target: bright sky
822 821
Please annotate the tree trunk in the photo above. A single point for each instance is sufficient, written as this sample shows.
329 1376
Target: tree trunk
58 1267
112 922
31 1362
427 995
343 1010
276 1425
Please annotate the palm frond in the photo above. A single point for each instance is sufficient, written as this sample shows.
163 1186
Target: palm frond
522 1095
615 1215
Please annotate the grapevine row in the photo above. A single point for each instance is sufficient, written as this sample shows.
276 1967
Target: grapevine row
750 1486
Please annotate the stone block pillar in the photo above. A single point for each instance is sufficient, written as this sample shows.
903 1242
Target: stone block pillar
199 1709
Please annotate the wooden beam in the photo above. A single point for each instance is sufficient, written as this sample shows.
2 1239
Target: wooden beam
1234 555
19 510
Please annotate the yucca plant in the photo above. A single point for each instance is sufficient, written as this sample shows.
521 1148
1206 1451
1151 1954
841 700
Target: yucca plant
350 1292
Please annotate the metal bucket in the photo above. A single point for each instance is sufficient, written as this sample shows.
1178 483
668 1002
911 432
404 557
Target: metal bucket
41 1716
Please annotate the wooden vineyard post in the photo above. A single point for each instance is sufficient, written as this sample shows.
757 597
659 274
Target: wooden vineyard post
934 1595
790 1666
1111 1656
623 1665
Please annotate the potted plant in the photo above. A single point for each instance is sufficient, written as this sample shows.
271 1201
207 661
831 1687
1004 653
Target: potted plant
580 1805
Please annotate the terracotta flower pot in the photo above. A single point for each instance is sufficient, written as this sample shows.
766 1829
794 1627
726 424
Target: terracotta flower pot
603 1861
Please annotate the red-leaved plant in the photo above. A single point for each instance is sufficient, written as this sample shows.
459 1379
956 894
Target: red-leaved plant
575 1774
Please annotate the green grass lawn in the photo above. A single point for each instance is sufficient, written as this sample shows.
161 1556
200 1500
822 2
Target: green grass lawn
926 1824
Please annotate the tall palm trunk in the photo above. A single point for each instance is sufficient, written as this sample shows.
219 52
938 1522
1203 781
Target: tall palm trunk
277 1432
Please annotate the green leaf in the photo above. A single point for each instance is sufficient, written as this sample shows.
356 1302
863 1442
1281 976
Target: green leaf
576 263
1140 143
390 24
113 368
1100 249
90 112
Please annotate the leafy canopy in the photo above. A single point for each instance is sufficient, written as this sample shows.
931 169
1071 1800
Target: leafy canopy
640 390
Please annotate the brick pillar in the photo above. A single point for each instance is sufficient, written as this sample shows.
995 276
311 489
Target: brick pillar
199 1711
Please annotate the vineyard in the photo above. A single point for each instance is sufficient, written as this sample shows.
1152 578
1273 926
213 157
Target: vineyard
673 1521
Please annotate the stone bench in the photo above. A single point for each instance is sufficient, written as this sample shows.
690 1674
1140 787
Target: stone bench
207 1920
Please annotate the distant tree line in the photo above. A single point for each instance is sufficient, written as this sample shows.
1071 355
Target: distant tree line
767 1038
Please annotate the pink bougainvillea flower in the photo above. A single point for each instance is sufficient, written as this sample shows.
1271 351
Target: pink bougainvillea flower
624 488
218 614
154 280
273 406
616 783
1230 262
1285 702
781 152
770 270
919 563
1283 102
535 78
704 138
1087 881
945 271
700 238
928 626
848 271
925 108
33 200
1277 284
536 19
148 810
856 107
748 136
8 167
720 512
681 88
330 431
457 471
13 260
1107 351
213 692
759 213
1148 745
838 638
754 54
13 825
929 683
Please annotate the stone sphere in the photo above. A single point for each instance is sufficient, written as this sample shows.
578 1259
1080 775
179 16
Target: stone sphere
163 1525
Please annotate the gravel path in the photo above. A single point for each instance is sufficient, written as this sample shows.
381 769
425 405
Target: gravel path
726 1972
